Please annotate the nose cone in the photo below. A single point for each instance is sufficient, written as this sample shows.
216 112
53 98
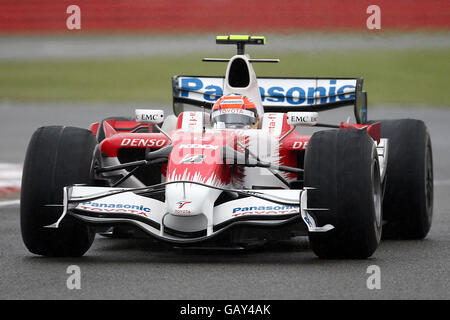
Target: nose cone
196 158
187 199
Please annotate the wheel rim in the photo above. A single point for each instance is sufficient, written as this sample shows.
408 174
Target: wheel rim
376 187
429 182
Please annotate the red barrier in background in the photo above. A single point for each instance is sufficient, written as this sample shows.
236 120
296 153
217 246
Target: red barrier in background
214 16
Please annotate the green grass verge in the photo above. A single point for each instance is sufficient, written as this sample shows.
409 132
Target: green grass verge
404 77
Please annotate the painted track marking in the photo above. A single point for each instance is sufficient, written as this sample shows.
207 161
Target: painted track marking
9 203
10 178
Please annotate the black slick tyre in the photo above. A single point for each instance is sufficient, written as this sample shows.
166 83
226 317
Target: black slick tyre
342 167
408 196
56 157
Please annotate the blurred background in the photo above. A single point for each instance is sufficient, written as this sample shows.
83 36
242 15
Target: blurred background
127 50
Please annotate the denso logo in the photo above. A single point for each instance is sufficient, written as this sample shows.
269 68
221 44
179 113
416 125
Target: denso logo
143 142
293 92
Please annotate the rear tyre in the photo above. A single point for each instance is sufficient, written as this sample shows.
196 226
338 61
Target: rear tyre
56 157
343 167
408 197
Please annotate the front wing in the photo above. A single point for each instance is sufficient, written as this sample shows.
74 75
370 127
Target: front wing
106 206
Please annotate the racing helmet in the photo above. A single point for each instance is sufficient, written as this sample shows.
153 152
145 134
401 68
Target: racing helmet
235 111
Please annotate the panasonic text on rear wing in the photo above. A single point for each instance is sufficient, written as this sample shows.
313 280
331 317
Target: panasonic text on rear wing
277 94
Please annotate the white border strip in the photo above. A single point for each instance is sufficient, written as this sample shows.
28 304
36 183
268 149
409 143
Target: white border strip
9 203
439 183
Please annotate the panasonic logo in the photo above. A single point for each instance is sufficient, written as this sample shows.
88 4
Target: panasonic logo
117 206
262 208
269 210
114 208
290 91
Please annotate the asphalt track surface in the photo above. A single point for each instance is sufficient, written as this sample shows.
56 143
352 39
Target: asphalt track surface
142 269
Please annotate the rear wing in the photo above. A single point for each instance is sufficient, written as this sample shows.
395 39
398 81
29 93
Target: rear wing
278 94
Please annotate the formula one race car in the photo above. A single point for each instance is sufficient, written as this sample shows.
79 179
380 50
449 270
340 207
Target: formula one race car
230 168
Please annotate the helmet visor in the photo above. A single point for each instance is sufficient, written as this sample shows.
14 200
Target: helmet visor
234 118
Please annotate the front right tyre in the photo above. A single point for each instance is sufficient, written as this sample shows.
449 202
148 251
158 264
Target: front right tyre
408 197
56 157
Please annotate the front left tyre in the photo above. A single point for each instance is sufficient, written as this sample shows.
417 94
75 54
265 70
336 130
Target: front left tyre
341 167
56 157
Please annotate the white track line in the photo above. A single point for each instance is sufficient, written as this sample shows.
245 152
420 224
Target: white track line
9 203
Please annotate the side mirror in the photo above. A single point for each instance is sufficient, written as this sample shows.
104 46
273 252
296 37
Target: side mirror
361 107
149 116
302 118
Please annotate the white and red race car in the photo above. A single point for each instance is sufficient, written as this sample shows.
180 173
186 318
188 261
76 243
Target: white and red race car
209 177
